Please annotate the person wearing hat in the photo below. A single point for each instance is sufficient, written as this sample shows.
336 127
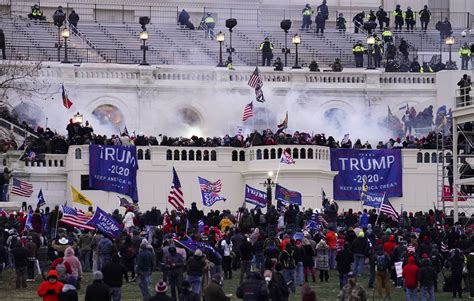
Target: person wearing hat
194 268
145 263
50 289
113 273
69 290
358 50
410 18
97 290
209 23
352 290
161 288
426 278
398 14
266 47
425 17
307 13
187 293
214 291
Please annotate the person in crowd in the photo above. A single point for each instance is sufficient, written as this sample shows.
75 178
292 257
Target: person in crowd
341 23
278 64
465 89
322 260
358 21
307 13
398 14
464 52
73 20
277 286
69 291
85 247
320 22
415 65
352 290
145 263
288 262
426 277
161 288
97 290
20 260
187 294
266 47
313 66
359 248
183 19
114 273
403 48
214 291
425 17
50 289
410 19
174 264
323 8
209 25
226 247
194 268
253 288
307 293
358 50
382 266
74 263
36 13
344 260
383 18
409 274
59 16
337 65
456 263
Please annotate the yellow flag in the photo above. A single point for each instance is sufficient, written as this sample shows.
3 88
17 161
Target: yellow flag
80 198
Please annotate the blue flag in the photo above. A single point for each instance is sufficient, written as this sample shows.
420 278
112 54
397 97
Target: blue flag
287 196
114 168
201 225
204 247
103 222
209 192
372 199
255 196
29 220
40 198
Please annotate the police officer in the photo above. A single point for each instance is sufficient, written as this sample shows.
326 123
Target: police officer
415 65
210 24
358 51
371 16
307 13
358 21
382 17
465 53
341 23
320 22
36 13
387 35
377 52
409 18
425 17
398 14
266 47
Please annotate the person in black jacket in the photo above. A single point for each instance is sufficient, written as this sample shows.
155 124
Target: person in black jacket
426 277
2 44
195 267
187 293
113 273
359 248
246 255
382 17
20 258
277 287
456 261
69 290
266 47
97 291
344 260
253 288
73 20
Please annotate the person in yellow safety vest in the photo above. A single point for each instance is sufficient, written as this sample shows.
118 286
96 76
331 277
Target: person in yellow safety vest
426 68
410 18
398 14
210 24
358 51
307 16
228 64
36 13
371 16
387 35
266 47
465 53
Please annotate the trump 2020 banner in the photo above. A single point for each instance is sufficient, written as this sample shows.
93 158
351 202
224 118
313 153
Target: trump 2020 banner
103 222
287 196
372 199
255 197
381 170
114 168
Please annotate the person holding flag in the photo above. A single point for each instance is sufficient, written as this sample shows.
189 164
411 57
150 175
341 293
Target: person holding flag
41 200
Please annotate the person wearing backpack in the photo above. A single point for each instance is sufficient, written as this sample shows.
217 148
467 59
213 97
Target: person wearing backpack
382 276
288 263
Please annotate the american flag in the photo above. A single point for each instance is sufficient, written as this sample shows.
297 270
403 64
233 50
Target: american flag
387 208
320 219
215 187
75 218
286 158
67 103
176 197
444 247
255 79
411 249
21 188
248 111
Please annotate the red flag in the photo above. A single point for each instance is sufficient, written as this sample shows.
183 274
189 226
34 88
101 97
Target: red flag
66 101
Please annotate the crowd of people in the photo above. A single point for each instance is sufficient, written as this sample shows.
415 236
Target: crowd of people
276 252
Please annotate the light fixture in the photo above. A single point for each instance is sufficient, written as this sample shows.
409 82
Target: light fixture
270 174
78 118
370 40
450 40
65 34
144 35
144 47
296 39
220 37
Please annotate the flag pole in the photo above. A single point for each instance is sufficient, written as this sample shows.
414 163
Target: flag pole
378 215
278 170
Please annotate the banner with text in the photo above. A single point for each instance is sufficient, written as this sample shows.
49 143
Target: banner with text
372 199
287 196
105 223
114 168
381 170
255 196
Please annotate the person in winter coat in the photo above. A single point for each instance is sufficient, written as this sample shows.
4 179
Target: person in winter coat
308 260
277 286
382 266
307 293
344 260
113 273
69 291
288 262
352 291
214 291
195 267
74 263
253 288
160 288
322 260
426 278
320 22
73 20
20 259
97 291
50 289
187 293
456 262
145 264
359 248
409 274
128 221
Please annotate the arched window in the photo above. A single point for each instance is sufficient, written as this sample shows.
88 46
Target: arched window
168 155
213 155
272 153
176 155
303 153
280 151
310 153
440 157
206 155
147 154
140 154
419 158
265 154
295 153
235 156
198 155
259 154
184 155
191 155
427 158
78 154
241 156
434 158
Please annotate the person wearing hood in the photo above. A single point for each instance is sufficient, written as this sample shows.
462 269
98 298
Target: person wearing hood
214 291
69 291
344 260
74 263
50 289
145 263
113 273
456 262
195 267
174 264
98 290
254 288
382 267
409 274
352 290
278 288
322 260
426 278
359 248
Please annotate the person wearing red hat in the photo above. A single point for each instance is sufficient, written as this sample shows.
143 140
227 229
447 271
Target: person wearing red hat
50 289
161 288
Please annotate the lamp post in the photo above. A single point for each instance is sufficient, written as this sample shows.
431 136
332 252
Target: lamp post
450 41
370 42
230 24
220 37
78 118
296 40
58 44
144 47
286 25
269 184
65 34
